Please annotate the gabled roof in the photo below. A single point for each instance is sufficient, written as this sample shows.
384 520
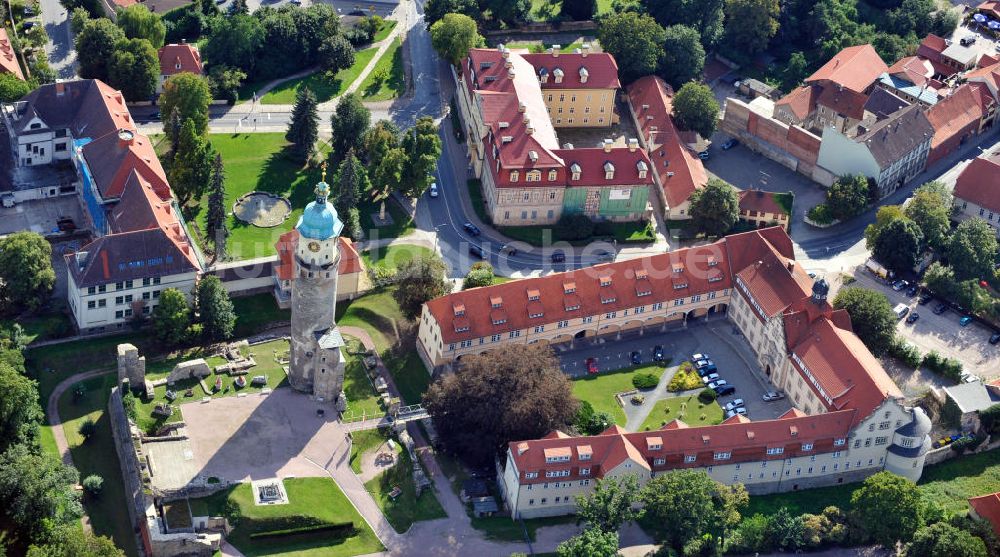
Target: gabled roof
131 256
971 397
987 74
854 68
774 281
979 183
87 107
988 509
801 101
956 112
140 207
913 69
350 261
601 69
843 101
112 158
592 163
177 58
895 137
8 58
883 103
760 201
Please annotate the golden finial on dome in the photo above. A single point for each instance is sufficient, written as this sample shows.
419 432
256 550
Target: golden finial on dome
323 167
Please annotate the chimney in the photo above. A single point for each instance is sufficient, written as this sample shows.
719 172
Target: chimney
555 51
607 145
585 49
125 138
529 129
521 448
791 266
81 259
633 144
510 73
521 107
60 88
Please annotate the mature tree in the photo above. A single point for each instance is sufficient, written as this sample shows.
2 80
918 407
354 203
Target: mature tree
349 123
421 279
421 145
71 541
238 7
453 35
172 127
714 208
135 69
890 46
944 540
885 215
190 96
191 169
139 23
507 11
481 274
848 196
590 422
705 16
235 41
12 88
972 250
609 505
36 490
579 10
828 527
93 485
19 410
388 172
215 219
496 398
224 82
303 129
282 50
930 208
635 40
940 279
888 506
95 45
87 429
871 317
898 245
208 8
590 543
751 24
434 10
683 56
688 503
796 70
379 140
26 274
913 16
215 309
574 226
352 180
335 54
171 317
785 530
696 109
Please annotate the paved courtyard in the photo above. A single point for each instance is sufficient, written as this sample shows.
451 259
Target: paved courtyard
40 215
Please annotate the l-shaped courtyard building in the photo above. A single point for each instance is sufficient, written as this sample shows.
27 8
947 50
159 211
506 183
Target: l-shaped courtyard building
849 419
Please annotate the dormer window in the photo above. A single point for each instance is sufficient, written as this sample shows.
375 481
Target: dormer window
839 442
534 175
643 168
459 309
575 171
499 321
177 66
641 274
533 295
712 261
558 74
807 446
678 267
496 302
606 280
569 287
584 74
462 329
514 175
609 171
543 75
553 175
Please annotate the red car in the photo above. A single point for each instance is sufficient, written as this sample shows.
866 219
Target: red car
592 365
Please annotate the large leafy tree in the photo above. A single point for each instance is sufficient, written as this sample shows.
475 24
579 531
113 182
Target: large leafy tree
19 411
71 541
421 145
687 504
714 208
171 317
26 274
635 40
481 274
379 140
898 245
609 505
281 47
504 396
848 196
871 317
434 10
930 208
137 22
579 10
944 540
95 45
349 123
388 172
506 11
303 129
12 88
134 69
190 96
796 70
696 109
889 507
336 53
420 279
972 250
885 215
453 35
705 16
751 24
215 219
235 42
215 309
36 490
683 56
590 543
191 169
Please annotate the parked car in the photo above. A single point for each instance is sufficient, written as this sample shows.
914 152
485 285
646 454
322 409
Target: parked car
592 365
967 377
969 40
703 371
558 257
715 385
900 310
913 318
658 353
710 378
703 363
724 390
472 229
773 395
965 320
604 255
477 251
940 308
994 338
729 144
736 403
924 298
912 290
434 189
899 285
696 357
635 357
740 411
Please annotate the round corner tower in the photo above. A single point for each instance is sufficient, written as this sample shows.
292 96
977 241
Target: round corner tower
317 365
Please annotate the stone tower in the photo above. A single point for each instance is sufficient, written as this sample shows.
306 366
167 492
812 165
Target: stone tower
317 366
131 366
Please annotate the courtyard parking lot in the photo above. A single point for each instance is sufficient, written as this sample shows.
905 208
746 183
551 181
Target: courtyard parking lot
40 215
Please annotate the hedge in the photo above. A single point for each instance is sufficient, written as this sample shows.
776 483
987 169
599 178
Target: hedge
338 528
644 381
946 367
707 395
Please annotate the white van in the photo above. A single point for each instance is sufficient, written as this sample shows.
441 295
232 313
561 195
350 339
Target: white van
901 310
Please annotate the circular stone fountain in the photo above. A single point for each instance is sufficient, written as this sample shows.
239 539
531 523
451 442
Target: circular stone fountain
261 209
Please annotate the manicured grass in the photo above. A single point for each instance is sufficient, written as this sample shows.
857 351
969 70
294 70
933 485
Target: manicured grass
108 513
379 314
688 409
255 313
390 66
502 528
802 501
544 10
383 32
321 84
259 162
394 256
407 508
600 389
310 501
363 442
401 225
538 47
361 396
41 327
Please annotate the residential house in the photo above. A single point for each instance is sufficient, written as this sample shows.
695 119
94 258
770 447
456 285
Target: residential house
964 402
761 209
578 88
967 112
8 58
977 192
178 58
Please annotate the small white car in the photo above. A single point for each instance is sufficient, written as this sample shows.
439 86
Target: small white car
434 189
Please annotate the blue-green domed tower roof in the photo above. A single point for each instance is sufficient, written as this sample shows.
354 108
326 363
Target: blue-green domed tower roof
319 221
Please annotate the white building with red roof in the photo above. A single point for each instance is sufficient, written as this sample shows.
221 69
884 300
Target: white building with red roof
977 192
848 421
511 105
178 58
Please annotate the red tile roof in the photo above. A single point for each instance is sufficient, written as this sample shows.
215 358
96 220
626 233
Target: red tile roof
953 114
988 74
931 47
350 261
592 163
8 58
177 58
913 69
979 183
113 157
988 509
140 207
854 68
760 201
801 101
601 69
846 102
679 171
990 8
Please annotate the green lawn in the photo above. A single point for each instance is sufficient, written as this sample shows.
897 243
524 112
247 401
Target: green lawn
322 85
394 256
390 67
538 46
108 513
685 408
365 441
362 399
254 313
259 161
312 501
401 225
599 390
41 327
383 33
407 508
544 10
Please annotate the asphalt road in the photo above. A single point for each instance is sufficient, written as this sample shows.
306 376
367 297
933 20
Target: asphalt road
62 55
